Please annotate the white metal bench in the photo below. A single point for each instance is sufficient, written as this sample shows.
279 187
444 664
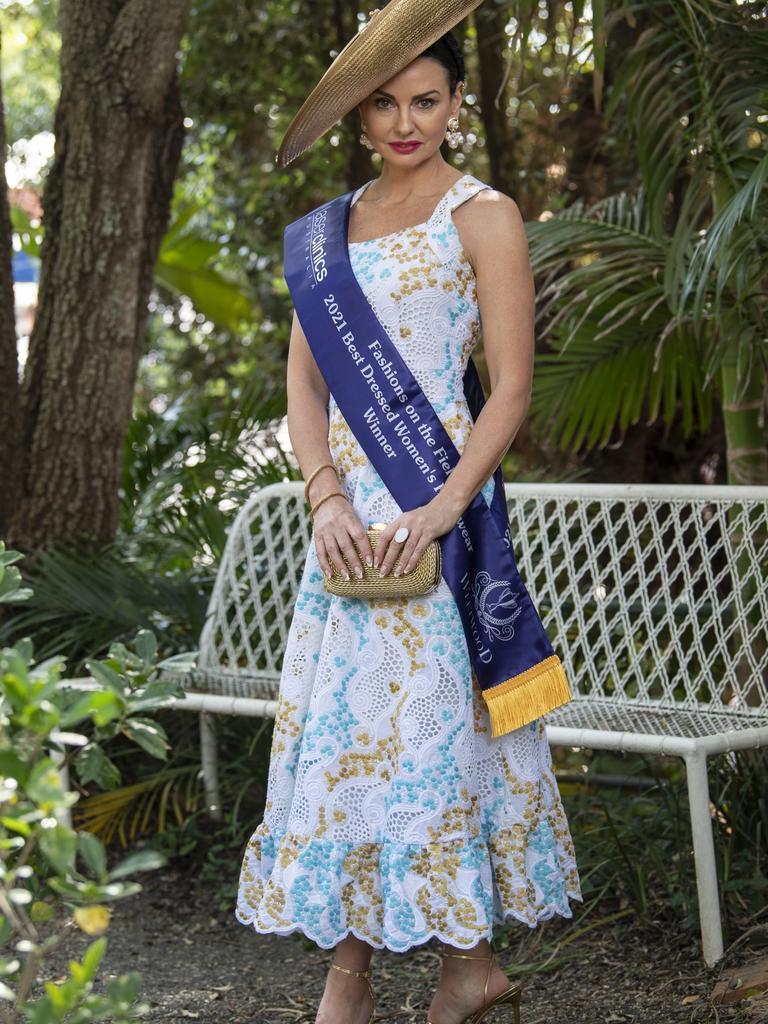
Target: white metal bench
655 598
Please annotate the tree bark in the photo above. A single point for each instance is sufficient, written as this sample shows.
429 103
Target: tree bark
119 132
10 423
360 167
490 22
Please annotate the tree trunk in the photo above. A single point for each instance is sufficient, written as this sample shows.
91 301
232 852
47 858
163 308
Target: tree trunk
743 403
106 203
10 423
490 22
360 167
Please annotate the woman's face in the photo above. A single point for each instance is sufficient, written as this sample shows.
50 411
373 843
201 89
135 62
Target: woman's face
406 118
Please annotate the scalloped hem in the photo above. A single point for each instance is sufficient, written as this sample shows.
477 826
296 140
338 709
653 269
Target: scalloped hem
547 915
397 895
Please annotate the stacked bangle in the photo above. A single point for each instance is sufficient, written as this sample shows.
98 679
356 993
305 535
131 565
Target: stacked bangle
325 497
313 474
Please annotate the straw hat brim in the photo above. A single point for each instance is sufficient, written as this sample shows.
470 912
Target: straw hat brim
395 36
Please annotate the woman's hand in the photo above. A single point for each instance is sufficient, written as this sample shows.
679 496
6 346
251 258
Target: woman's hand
338 531
425 524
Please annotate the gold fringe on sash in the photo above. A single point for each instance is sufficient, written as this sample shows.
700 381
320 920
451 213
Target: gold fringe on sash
524 697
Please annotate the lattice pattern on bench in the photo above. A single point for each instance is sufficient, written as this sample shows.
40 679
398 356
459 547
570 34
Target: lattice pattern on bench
655 598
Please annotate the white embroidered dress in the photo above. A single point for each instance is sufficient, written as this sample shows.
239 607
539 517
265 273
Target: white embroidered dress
391 811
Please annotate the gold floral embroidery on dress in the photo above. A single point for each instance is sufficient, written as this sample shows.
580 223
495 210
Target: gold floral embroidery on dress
465 279
437 917
458 821
412 638
357 763
422 272
360 897
286 725
459 427
343 444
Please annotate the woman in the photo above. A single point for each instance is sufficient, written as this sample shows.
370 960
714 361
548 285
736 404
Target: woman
393 815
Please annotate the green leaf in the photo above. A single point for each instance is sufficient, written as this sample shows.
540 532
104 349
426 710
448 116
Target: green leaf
41 911
100 705
125 989
83 893
94 955
108 677
10 556
58 999
41 1011
93 765
6 930
146 645
12 767
44 785
149 735
25 649
155 695
17 825
142 860
59 846
93 853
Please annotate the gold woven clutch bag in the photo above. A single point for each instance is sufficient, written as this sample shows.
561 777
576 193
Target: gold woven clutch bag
421 580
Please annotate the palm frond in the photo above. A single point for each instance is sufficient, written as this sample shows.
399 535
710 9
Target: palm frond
145 807
618 350
729 262
83 601
692 88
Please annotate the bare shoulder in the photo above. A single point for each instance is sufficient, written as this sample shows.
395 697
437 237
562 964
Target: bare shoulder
489 221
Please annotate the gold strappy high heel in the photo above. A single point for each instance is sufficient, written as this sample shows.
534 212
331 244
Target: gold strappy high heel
510 997
361 974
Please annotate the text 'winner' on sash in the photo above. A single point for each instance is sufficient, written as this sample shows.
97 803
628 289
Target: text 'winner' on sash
520 676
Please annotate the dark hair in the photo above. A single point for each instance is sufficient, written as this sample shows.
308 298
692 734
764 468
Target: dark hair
446 51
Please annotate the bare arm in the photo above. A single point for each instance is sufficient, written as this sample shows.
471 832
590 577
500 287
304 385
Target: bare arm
337 527
493 235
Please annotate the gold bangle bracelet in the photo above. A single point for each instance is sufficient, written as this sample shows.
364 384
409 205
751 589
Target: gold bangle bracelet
325 497
313 474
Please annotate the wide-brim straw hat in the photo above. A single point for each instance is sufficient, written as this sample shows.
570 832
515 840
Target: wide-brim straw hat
394 36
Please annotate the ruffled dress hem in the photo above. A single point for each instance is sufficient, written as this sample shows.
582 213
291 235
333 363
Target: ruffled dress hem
404 894
547 915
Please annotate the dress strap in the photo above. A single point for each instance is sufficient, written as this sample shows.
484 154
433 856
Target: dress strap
359 191
441 231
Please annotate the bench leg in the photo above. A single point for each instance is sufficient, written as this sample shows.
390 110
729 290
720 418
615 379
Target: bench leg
704 857
210 761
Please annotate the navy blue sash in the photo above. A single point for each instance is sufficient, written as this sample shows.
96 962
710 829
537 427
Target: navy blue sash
518 672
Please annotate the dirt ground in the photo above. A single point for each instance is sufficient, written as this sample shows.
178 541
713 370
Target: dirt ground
199 964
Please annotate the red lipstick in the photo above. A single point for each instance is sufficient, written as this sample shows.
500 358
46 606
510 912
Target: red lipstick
404 147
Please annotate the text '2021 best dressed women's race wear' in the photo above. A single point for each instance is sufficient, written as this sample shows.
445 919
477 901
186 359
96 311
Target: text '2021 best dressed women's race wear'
391 811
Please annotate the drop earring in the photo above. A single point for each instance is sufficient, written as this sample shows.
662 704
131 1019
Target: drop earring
364 140
453 135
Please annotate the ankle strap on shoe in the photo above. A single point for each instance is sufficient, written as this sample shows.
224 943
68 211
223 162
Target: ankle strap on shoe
468 956
347 970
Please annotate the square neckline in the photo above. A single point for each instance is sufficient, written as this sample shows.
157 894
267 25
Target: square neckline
411 227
